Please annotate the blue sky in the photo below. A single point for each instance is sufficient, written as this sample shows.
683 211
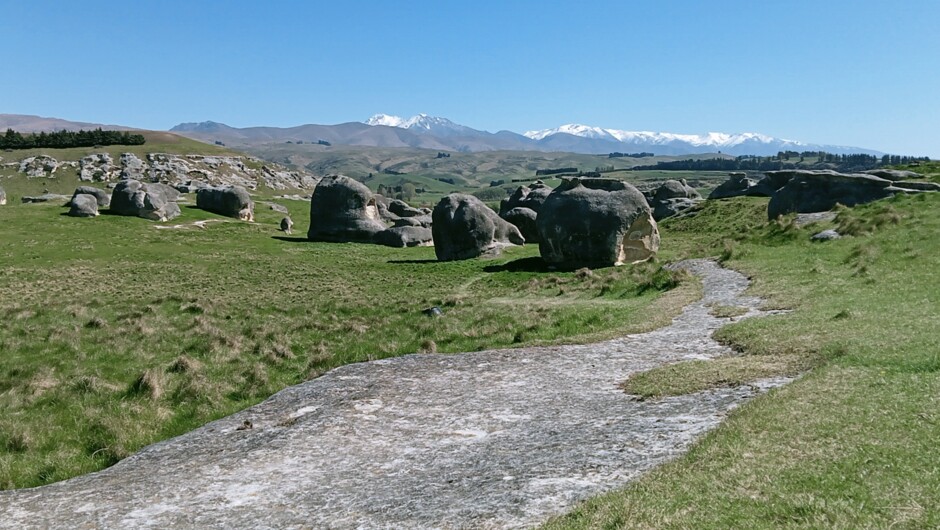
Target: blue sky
861 73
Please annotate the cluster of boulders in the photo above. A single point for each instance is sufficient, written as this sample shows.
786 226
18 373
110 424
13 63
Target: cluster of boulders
804 191
175 170
86 201
585 222
671 198
522 208
345 210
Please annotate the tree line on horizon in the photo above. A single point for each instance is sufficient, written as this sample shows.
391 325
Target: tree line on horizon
786 160
63 139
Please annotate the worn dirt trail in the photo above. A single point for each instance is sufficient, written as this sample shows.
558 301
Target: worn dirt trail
492 439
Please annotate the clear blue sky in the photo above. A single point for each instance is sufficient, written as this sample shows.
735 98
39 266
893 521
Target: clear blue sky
861 73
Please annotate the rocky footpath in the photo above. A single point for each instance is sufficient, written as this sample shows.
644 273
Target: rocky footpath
491 439
175 170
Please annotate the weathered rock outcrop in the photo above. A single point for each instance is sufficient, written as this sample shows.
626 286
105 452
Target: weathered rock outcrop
83 205
464 228
132 167
153 201
405 236
96 167
230 201
341 210
39 166
740 185
522 208
820 191
102 197
45 197
894 174
673 197
596 223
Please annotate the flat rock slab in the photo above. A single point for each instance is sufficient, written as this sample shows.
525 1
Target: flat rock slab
491 439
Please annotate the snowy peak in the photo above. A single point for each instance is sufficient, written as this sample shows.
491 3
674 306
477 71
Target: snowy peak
423 124
717 140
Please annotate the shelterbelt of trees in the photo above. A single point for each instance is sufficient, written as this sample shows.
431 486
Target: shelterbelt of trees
786 160
63 139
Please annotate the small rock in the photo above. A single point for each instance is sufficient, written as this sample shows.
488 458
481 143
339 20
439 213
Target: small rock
826 235
433 311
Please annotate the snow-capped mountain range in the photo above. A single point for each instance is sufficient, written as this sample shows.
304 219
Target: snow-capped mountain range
599 139
431 132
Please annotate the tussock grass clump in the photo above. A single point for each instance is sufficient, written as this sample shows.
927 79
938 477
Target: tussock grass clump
149 384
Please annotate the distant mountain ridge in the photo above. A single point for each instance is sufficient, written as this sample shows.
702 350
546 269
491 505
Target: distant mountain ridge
430 132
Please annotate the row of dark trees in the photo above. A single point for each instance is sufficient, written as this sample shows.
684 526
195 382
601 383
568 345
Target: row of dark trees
787 160
62 139
618 154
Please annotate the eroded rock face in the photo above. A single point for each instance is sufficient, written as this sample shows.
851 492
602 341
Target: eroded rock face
132 167
464 228
102 197
39 166
894 175
230 201
153 201
820 191
596 223
96 167
83 205
341 210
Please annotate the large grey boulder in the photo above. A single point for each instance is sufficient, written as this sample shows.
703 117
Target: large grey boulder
531 197
102 197
3 197
673 197
522 208
405 236
464 228
83 205
230 201
596 223
341 210
153 201
820 191
740 185
525 220
402 209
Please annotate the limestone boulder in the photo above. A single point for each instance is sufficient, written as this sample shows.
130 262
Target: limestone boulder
343 210
525 220
820 191
230 201
737 185
530 197
45 197
405 236
673 197
402 209
153 201
596 223
102 197
83 205
3 197
463 227
132 167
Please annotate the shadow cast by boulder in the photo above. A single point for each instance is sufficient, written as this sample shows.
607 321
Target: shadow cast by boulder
292 239
533 264
413 261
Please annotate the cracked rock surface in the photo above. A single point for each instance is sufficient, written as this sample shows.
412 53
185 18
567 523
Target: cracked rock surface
491 439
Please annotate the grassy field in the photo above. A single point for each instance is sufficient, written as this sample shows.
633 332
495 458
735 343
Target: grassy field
115 334
850 444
